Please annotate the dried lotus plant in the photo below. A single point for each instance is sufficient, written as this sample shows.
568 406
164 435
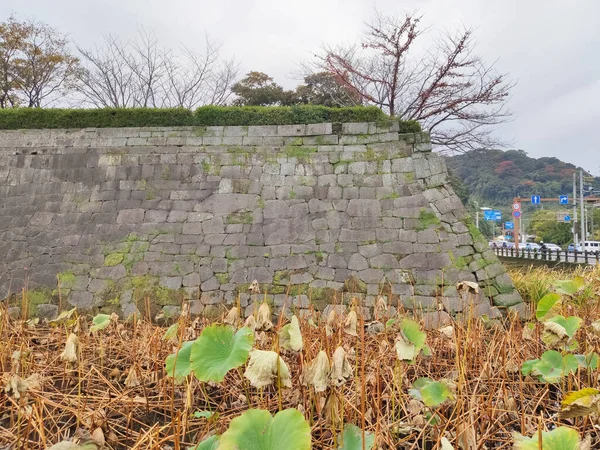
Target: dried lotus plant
265 367
254 287
233 317
71 346
341 370
316 373
263 319
351 323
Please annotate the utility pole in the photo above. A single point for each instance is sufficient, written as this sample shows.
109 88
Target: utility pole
575 211
583 236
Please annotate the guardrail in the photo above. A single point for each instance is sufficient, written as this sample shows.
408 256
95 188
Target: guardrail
557 256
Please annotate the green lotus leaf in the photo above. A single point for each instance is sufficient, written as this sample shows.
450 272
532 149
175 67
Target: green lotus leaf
177 364
589 361
571 324
211 443
432 393
411 340
256 429
218 350
561 438
569 287
100 322
545 305
351 439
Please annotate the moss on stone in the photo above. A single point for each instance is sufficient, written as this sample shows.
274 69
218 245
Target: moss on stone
427 219
300 152
223 278
66 280
36 297
459 263
113 259
298 289
281 277
240 217
164 296
353 284
475 233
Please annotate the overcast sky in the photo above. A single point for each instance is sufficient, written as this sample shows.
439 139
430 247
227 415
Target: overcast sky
551 48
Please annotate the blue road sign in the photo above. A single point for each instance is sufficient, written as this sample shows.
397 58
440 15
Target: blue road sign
517 214
535 199
567 218
492 215
509 225
563 199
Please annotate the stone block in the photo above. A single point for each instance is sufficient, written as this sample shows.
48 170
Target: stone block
81 299
371 275
436 320
135 215
364 208
509 299
385 261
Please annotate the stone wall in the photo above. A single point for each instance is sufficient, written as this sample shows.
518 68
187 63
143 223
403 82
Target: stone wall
143 218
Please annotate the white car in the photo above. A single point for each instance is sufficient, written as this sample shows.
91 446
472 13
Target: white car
530 246
553 247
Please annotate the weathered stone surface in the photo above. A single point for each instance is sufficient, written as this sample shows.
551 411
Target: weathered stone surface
212 209
357 262
436 319
510 299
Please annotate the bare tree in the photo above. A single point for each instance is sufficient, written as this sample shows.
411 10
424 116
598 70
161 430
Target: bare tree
141 73
36 66
452 92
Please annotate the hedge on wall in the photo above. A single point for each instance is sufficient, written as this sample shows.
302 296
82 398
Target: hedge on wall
33 118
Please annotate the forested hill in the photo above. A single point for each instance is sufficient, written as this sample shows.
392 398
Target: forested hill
497 176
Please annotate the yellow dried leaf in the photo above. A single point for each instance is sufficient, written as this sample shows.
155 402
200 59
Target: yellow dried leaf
331 320
264 367
447 331
341 370
290 336
554 334
132 379
467 286
317 373
233 317
580 403
250 323
263 320
69 354
351 323
254 287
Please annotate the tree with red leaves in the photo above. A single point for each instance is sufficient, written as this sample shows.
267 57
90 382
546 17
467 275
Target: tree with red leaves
451 91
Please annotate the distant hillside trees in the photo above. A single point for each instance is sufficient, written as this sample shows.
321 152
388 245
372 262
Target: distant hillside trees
497 176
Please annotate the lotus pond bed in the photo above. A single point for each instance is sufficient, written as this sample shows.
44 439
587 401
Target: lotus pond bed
311 382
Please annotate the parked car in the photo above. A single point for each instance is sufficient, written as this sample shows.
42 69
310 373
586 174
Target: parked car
553 247
532 246
590 246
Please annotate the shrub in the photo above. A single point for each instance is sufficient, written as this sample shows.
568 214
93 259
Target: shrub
32 118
